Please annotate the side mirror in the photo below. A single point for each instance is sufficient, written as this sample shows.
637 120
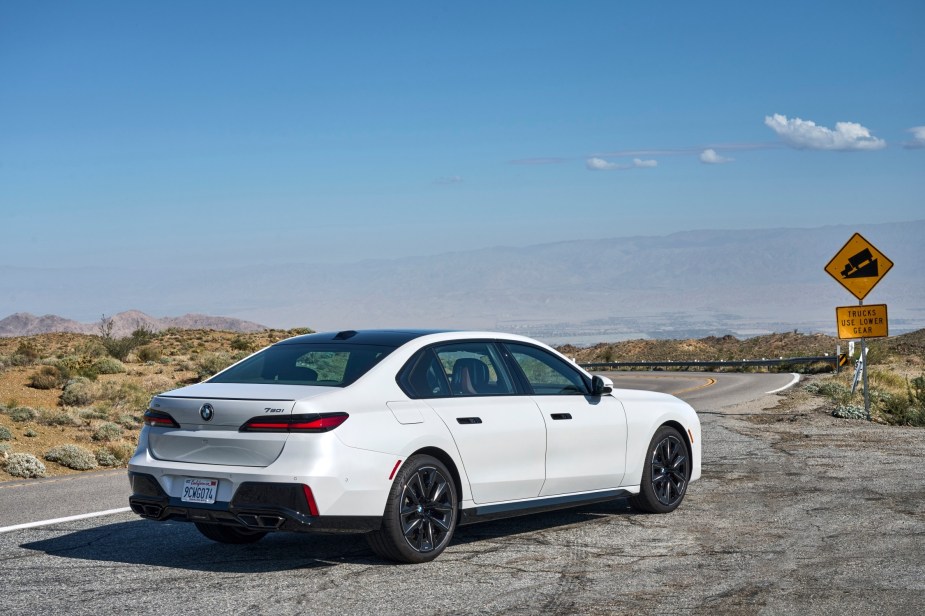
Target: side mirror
601 385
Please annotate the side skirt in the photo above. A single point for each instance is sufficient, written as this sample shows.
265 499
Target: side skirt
486 513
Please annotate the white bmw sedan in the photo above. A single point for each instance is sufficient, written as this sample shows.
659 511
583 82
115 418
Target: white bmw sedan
404 435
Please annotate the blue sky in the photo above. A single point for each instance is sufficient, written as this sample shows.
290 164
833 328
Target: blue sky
206 133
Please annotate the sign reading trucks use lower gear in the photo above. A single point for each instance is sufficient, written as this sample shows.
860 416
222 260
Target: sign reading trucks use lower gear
862 321
858 266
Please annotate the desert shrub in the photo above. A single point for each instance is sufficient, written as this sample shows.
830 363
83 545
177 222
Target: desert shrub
47 377
900 410
25 465
107 432
119 348
25 354
30 433
5 449
124 396
94 413
22 413
77 392
121 450
917 392
72 456
104 457
149 352
56 418
240 343
299 331
108 365
76 365
127 420
849 411
5 434
210 363
830 389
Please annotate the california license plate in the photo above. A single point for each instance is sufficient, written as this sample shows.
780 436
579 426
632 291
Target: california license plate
199 491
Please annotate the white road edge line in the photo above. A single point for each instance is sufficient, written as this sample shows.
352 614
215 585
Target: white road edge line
794 381
82 516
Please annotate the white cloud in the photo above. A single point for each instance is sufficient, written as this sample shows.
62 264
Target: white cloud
453 179
599 164
807 135
710 157
918 138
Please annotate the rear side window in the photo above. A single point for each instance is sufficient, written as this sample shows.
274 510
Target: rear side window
327 365
457 369
547 373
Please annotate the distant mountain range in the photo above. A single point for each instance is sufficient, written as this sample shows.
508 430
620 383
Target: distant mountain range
124 323
685 285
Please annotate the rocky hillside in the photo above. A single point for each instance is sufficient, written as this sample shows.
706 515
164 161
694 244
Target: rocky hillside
123 324
712 348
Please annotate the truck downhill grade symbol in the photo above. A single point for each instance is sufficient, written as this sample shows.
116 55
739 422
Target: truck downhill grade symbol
858 266
861 265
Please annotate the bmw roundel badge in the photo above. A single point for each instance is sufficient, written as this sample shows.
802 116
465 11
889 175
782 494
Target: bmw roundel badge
206 412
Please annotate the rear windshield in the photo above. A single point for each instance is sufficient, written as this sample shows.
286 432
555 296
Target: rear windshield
328 365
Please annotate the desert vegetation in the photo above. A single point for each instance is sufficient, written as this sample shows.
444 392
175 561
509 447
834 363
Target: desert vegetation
74 402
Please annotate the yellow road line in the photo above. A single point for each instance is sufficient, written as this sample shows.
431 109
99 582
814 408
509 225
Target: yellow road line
708 382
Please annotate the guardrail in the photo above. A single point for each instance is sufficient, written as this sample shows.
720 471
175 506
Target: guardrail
616 365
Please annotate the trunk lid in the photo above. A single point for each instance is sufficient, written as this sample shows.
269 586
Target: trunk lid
210 414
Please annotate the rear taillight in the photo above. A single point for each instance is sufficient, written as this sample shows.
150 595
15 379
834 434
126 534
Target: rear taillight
312 422
160 419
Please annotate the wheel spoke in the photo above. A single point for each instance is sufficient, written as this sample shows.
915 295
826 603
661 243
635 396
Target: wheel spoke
411 526
443 525
416 489
438 490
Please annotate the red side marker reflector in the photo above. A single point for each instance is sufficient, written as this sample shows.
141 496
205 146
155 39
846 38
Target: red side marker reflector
394 469
691 434
310 499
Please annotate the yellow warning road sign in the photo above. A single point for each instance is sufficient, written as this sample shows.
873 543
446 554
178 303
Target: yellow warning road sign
858 266
862 321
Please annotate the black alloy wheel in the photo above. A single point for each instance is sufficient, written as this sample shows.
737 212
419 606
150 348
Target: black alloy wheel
420 516
665 474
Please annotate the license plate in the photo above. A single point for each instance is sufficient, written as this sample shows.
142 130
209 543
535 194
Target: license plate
199 491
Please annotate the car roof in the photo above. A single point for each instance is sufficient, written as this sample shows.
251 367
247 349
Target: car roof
376 337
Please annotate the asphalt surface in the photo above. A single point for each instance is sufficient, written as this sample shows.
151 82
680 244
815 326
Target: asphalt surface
797 513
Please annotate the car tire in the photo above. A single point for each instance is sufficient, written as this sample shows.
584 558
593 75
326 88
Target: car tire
420 514
665 474
229 534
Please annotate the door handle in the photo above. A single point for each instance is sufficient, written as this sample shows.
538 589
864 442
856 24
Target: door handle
561 415
469 420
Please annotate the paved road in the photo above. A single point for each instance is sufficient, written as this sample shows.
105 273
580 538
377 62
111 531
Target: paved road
797 513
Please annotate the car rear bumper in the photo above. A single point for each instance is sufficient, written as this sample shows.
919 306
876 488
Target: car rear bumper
255 505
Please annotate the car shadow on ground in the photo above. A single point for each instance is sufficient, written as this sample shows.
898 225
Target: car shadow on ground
179 545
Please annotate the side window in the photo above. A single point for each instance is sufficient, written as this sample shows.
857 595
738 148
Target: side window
426 378
474 369
547 374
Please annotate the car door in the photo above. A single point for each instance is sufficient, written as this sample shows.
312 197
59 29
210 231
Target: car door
585 434
500 435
